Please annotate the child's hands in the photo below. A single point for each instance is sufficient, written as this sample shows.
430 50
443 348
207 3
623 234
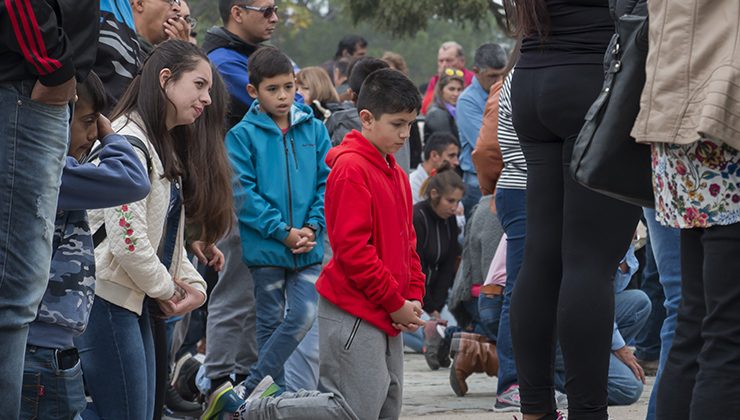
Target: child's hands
293 237
406 319
104 127
307 241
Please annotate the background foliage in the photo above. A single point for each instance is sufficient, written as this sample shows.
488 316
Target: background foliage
309 30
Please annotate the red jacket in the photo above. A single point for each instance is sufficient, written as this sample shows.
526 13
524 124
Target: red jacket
369 220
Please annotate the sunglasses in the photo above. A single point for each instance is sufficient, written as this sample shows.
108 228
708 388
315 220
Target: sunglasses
173 2
267 12
453 72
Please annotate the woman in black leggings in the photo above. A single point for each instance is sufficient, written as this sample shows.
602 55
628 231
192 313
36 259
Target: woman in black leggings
575 237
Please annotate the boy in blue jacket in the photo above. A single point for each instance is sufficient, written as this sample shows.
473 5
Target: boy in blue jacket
277 152
52 377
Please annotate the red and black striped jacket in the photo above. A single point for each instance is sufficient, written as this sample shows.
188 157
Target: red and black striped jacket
48 40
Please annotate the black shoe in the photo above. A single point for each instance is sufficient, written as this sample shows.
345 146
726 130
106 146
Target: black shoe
177 404
183 379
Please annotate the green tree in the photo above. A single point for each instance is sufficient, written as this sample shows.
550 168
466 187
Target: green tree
309 30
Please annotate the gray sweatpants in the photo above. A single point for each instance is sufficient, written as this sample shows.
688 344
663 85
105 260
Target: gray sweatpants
231 342
360 363
301 405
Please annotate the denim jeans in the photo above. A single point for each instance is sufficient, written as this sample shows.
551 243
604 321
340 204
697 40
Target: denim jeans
647 342
510 206
117 354
665 243
48 391
489 311
700 377
302 367
286 303
33 142
631 312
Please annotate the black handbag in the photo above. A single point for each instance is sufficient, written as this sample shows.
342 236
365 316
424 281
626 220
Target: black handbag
605 157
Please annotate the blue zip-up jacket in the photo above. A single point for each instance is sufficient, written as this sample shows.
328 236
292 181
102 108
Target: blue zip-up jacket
279 182
119 178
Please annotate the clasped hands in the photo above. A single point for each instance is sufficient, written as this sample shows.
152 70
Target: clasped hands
300 241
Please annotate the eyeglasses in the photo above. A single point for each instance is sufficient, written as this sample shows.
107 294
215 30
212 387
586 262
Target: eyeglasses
267 12
453 72
193 22
173 2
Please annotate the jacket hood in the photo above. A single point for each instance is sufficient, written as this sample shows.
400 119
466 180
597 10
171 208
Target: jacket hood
299 113
218 37
356 143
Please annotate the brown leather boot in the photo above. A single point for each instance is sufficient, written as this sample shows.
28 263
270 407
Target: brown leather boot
490 358
468 360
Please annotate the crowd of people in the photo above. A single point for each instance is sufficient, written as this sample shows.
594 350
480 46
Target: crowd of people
215 231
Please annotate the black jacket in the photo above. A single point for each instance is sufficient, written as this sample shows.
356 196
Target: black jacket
439 120
56 40
438 249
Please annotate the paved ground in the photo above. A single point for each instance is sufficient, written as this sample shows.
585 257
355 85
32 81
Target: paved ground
428 396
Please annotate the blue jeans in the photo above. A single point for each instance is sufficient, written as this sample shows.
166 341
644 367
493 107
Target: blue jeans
666 247
512 212
489 311
117 354
631 312
472 194
33 142
647 342
279 330
48 391
302 367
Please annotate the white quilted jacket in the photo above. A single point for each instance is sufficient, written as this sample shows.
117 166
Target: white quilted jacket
126 262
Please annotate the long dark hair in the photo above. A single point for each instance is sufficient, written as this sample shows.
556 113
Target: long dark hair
527 18
194 152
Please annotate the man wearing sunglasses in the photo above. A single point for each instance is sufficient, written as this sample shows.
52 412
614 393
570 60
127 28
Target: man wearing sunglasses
247 24
157 21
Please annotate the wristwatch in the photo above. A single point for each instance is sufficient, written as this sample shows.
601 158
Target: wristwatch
313 226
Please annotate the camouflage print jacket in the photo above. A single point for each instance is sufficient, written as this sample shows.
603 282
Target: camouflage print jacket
69 295
118 178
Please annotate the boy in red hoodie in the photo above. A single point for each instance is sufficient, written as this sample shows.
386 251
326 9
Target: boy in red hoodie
372 288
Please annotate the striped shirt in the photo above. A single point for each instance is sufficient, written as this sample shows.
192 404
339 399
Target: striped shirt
514 174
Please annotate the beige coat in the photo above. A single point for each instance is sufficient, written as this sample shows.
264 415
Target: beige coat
126 262
692 88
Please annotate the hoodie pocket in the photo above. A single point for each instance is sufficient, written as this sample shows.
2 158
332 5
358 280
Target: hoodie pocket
352 333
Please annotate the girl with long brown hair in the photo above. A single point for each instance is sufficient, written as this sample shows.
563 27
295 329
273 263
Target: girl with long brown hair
142 264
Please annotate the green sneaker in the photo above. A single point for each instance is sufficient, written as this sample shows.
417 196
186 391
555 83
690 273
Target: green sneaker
266 388
221 401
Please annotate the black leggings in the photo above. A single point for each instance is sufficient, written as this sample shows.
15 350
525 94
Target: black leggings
701 378
575 240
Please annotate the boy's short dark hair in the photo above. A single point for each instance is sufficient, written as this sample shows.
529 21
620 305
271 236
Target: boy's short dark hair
361 68
438 142
388 91
91 91
268 62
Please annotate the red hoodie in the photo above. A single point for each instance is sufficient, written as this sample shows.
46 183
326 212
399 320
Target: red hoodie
369 220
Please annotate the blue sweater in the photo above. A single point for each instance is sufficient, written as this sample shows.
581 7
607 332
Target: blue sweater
119 178
280 182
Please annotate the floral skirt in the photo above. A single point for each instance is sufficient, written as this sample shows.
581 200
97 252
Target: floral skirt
696 185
